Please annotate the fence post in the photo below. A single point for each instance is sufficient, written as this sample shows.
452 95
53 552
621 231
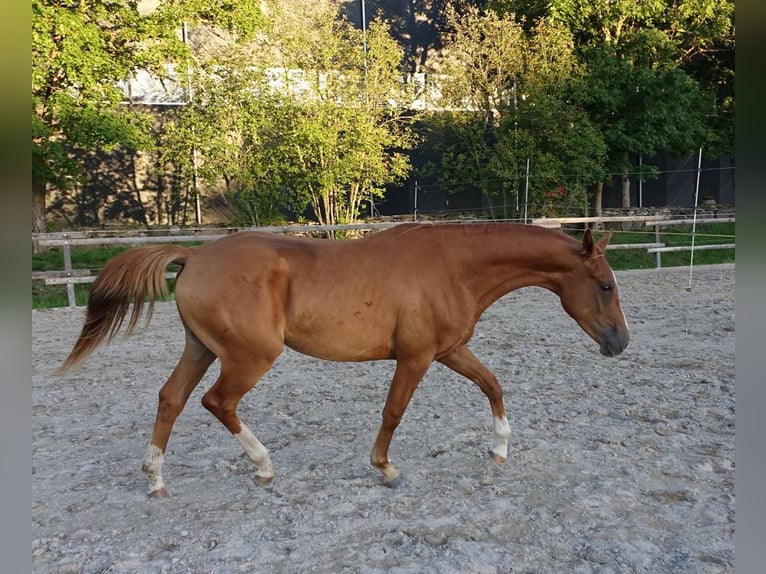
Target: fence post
68 267
415 208
657 255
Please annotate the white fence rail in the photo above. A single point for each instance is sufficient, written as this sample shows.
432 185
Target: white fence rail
659 250
689 247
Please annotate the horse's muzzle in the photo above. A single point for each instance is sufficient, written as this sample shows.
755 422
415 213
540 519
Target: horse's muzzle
613 341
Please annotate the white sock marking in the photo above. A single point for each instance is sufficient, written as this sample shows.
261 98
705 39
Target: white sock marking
502 436
152 467
256 452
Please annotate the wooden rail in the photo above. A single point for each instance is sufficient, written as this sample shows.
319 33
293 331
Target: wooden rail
556 222
666 222
85 238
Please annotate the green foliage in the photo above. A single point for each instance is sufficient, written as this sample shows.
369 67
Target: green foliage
517 88
299 117
660 73
640 109
566 152
485 57
461 142
289 113
81 51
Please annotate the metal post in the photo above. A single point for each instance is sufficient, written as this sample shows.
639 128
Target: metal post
195 166
694 217
415 211
526 192
195 184
366 90
364 34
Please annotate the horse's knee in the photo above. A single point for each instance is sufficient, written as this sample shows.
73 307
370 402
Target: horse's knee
170 405
211 402
391 418
219 405
225 411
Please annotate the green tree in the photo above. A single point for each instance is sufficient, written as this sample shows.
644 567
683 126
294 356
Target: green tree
222 136
482 69
638 90
703 30
642 110
302 116
660 73
81 51
351 127
513 85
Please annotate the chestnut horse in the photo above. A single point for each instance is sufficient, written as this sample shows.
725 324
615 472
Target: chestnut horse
412 293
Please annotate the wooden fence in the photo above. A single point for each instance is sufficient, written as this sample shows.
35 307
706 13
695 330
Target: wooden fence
70 276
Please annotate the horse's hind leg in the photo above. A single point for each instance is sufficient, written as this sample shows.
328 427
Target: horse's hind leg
236 379
192 365
464 362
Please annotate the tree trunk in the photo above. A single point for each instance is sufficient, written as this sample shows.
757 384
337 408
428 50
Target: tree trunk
39 189
140 215
625 182
597 193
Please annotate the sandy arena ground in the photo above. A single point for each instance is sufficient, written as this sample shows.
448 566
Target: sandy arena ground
615 465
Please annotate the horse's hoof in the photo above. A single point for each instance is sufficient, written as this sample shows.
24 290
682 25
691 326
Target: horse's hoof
264 481
159 493
499 460
395 482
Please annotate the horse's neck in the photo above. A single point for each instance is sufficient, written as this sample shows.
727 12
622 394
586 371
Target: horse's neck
501 259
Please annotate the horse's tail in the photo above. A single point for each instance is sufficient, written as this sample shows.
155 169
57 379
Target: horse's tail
136 276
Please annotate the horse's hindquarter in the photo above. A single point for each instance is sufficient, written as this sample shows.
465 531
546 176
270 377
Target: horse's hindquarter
228 293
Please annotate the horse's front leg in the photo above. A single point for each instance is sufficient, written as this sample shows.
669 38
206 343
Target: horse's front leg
464 362
406 379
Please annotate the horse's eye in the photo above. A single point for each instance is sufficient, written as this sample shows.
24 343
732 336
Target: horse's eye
606 287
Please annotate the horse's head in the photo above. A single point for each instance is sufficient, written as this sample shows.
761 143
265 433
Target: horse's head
589 294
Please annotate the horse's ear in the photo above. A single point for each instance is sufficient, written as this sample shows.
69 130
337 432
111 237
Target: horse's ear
604 241
592 248
587 243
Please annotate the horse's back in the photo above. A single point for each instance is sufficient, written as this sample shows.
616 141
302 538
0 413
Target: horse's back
392 251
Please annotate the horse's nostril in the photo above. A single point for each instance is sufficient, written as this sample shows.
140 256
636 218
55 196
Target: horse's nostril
614 341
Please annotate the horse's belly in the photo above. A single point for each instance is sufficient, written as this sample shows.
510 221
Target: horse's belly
340 340
339 349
